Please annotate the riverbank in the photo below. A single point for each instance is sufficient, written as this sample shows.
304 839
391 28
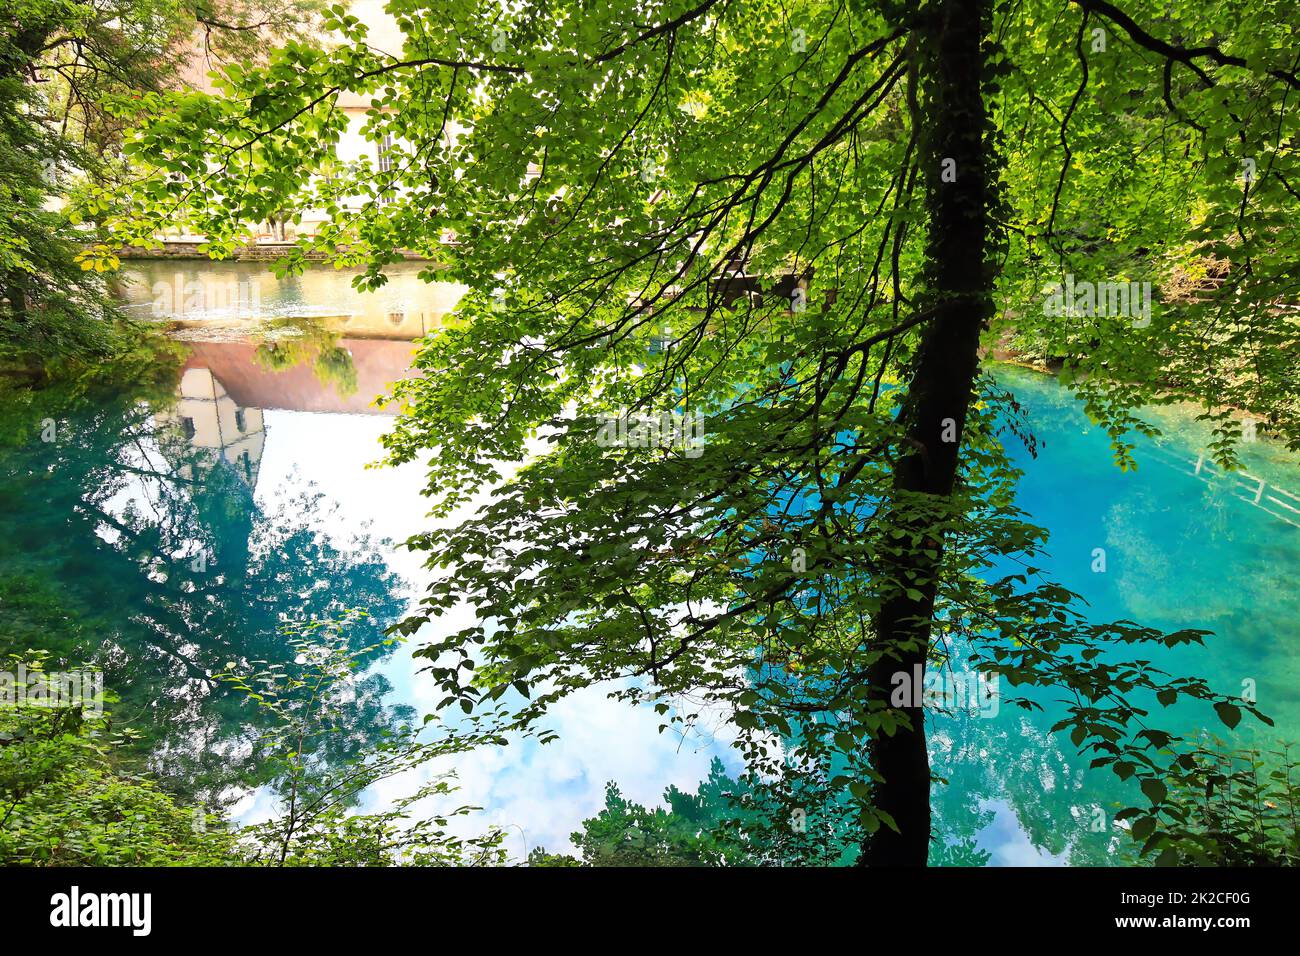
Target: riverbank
262 251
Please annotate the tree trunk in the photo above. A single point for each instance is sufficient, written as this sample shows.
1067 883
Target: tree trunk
958 173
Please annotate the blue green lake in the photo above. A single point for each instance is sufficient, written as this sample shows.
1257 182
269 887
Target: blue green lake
158 535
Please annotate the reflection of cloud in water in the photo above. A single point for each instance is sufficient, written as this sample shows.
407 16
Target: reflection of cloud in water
254 807
1007 841
547 791
332 452
1018 794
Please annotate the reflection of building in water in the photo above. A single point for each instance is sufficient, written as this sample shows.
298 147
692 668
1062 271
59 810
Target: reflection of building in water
224 393
251 384
211 419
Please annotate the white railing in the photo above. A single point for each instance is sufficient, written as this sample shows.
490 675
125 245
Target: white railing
1277 502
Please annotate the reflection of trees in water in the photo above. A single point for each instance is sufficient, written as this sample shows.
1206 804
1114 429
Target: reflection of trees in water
1009 761
287 343
1013 761
123 546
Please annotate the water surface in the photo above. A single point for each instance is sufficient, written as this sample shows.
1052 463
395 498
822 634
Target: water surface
160 537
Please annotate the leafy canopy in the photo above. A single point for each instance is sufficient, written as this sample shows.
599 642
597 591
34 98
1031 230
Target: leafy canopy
715 209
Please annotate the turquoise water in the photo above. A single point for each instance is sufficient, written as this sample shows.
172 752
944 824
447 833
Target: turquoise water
263 472
1186 546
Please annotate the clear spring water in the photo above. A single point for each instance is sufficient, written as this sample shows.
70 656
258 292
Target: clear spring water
91 526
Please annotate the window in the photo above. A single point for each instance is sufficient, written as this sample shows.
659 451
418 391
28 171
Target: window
386 166
240 422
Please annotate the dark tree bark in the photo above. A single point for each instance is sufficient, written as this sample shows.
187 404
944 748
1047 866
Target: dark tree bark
959 179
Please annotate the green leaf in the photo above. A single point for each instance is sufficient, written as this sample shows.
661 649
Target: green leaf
1142 829
1155 790
1230 714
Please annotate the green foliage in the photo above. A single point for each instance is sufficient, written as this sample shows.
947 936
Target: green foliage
1221 807
66 801
309 701
94 58
627 834
636 195
72 74
50 309
726 822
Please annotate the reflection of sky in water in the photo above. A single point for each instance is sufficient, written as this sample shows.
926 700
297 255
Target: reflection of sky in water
544 790
1007 843
1181 553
